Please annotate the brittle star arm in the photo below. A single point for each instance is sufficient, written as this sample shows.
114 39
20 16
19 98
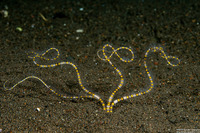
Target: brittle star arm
107 58
36 55
163 55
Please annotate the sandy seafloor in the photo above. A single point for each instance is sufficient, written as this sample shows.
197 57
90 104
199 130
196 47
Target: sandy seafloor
31 107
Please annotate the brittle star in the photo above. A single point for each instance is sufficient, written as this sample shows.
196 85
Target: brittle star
109 106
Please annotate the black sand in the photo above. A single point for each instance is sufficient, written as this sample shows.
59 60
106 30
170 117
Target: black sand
31 107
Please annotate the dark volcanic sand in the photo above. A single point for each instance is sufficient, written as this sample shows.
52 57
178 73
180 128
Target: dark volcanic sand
171 105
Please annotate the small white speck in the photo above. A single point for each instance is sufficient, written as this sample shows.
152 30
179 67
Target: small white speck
4 13
79 30
81 9
38 109
33 26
